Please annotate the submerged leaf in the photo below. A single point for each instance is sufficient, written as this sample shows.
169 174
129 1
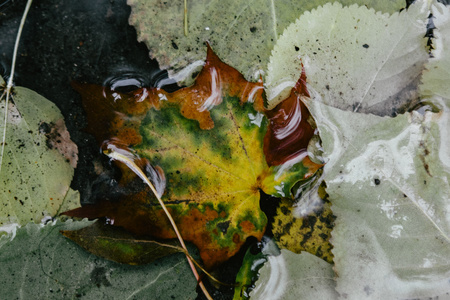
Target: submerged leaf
289 131
118 245
39 263
38 160
390 194
243 32
206 142
295 276
359 60
388 180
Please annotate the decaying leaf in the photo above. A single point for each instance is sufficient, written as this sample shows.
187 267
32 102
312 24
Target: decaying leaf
206 143
38 160
114 243
310 231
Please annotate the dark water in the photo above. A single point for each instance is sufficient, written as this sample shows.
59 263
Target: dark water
87 41
84 40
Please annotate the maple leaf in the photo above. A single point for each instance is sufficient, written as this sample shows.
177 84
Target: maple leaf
206 143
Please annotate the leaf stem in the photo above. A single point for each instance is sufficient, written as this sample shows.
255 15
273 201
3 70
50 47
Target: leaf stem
11 77
135 168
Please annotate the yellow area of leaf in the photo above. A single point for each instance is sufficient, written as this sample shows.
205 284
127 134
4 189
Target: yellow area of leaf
310 233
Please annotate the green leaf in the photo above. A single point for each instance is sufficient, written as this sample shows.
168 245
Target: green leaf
116 244
295 276
38 161
359 60
39 263
241 32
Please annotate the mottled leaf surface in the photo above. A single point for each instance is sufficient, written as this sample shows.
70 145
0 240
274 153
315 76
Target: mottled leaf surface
206 140
243 32
389 191
38 160
40 263
305 226
359 60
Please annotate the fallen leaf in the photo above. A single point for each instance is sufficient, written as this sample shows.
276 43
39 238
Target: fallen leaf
361 60
389 191
116 244
38 160
243 32
308 230
295 276
206 143
37 262
387 178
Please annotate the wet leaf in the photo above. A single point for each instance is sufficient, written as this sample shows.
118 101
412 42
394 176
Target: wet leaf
254 259
206 143
243 32
361 60
308 230
437 71
295 276
289 131
116 244
38 160
36 262
388 180
389 191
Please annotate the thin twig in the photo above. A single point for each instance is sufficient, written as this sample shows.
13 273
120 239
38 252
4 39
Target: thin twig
185 18
135 168
173 247
11 77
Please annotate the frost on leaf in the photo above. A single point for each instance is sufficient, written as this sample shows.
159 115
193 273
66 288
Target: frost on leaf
203 146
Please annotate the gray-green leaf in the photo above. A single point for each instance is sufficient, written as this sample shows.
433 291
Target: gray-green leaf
242 33
38 161
358 60
295 276
39 263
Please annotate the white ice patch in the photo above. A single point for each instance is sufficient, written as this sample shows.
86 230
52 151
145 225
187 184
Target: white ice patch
10 229
256 119
276 286
393 158
396 231
279 189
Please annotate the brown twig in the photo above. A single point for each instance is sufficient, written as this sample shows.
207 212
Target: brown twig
135 168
